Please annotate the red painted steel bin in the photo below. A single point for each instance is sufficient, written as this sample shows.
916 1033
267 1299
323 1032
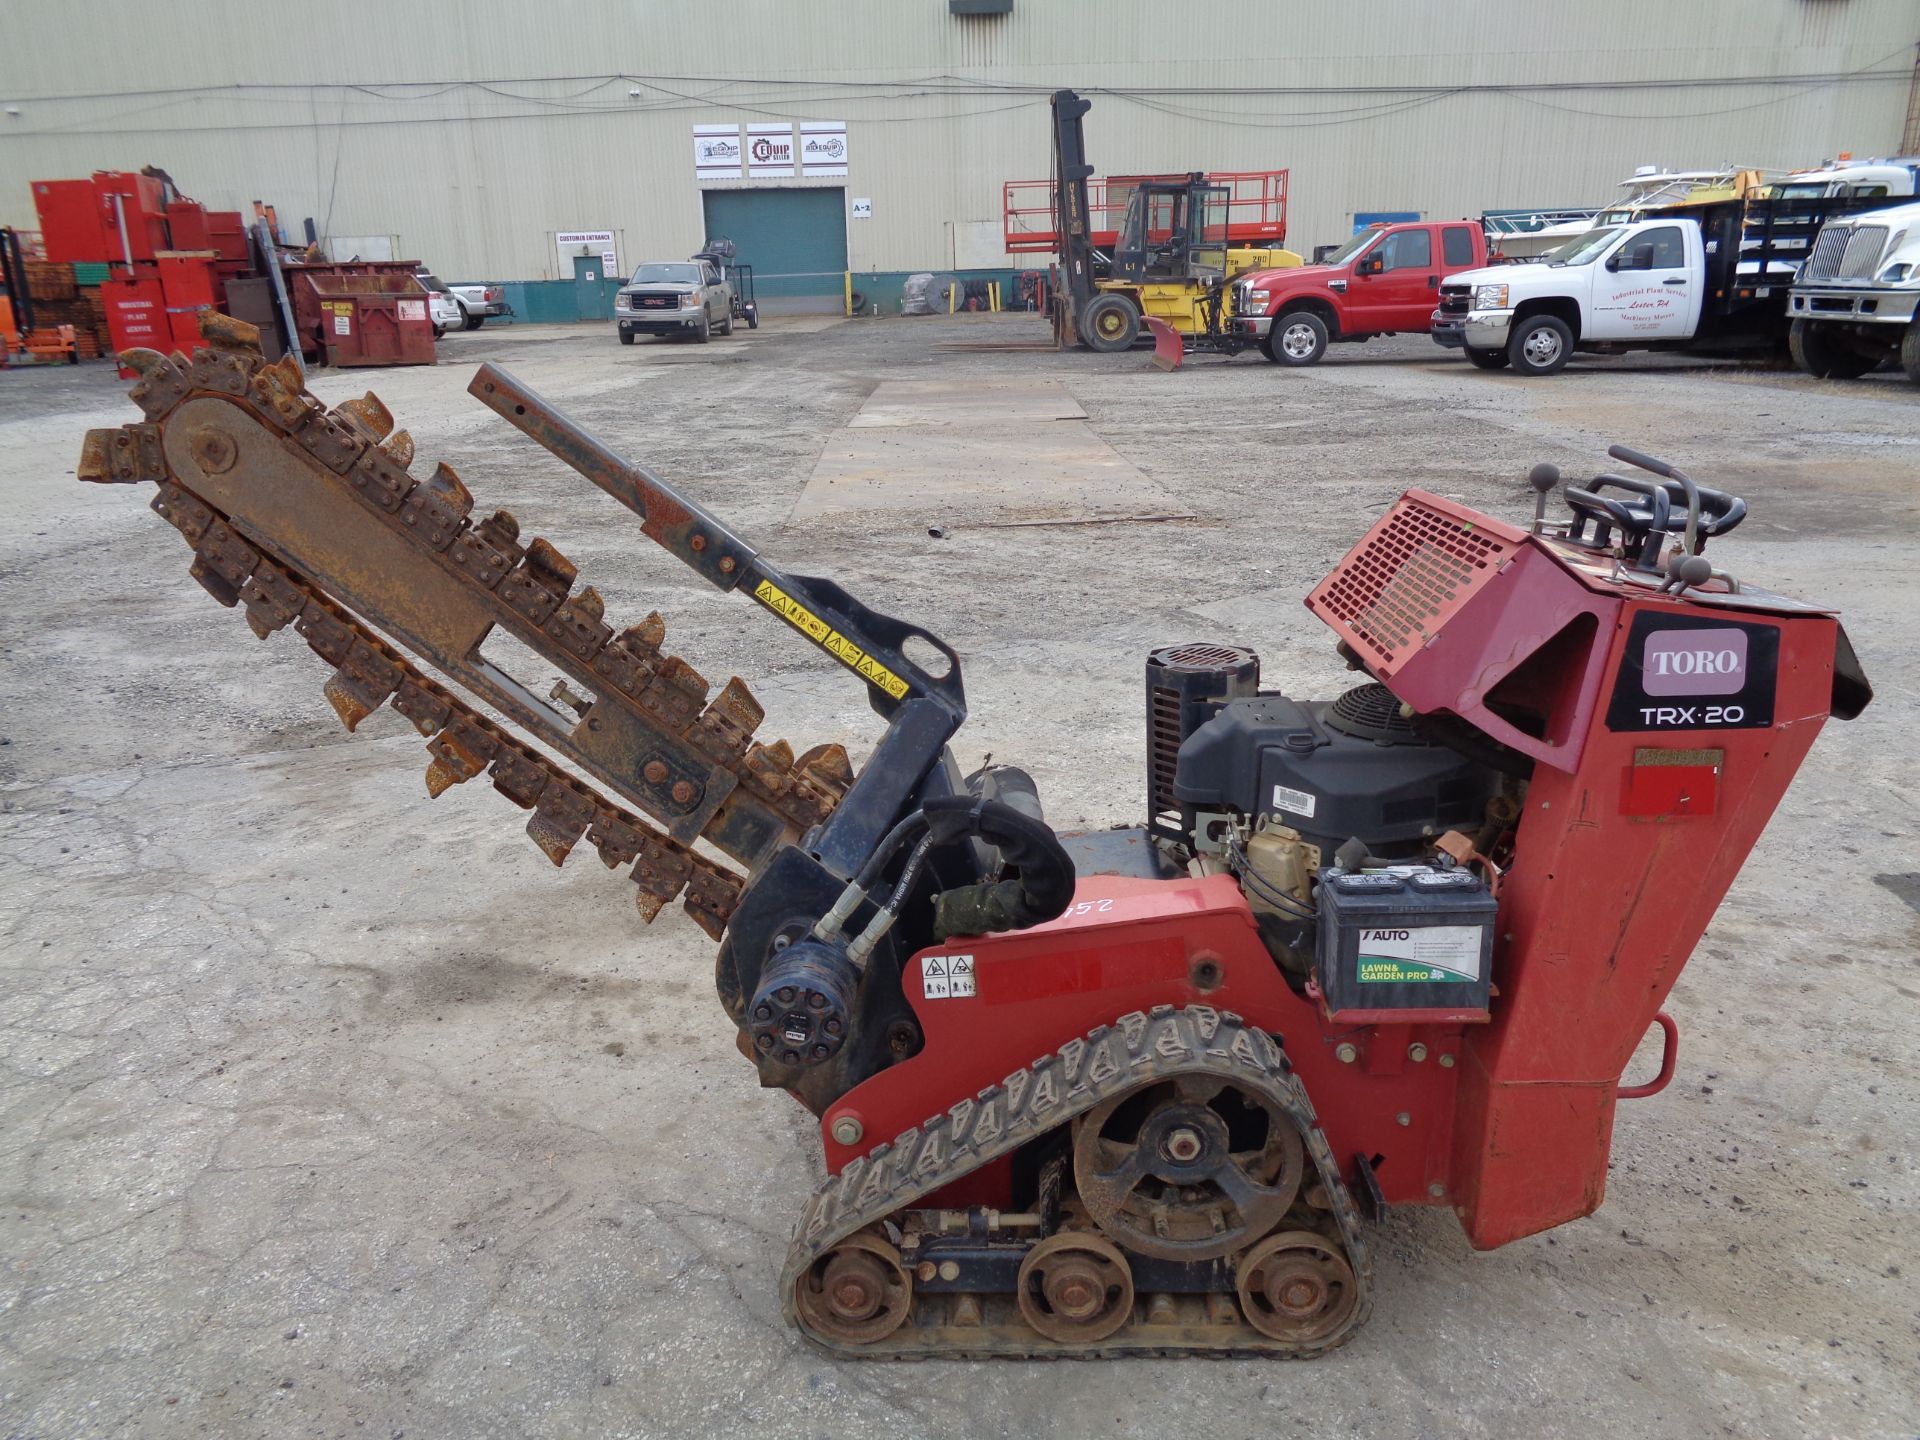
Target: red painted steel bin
187 281
136 317
69 213
378 318
141 201
187 226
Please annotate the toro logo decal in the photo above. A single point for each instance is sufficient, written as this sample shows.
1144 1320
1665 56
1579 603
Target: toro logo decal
1680 673
1695 662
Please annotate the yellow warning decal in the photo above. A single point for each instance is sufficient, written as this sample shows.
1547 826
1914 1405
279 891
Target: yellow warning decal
792 611
829 639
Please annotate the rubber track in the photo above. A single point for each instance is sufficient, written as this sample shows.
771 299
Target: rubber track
1137 1049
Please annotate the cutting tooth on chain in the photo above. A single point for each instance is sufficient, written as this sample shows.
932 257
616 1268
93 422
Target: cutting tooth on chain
398 447
369 415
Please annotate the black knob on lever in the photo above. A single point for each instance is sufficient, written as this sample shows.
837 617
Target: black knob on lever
1684 570
1545 479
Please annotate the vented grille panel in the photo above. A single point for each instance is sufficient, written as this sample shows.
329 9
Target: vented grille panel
1200 657
1863 252
1824 263
1846 252
1165 759
1392 593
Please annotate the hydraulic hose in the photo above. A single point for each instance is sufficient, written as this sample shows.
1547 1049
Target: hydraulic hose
1039 888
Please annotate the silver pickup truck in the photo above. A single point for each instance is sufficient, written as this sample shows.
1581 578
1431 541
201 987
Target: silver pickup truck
675 297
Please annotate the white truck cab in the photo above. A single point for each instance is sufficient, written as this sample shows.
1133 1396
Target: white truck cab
1633 286
1855 301
1868 179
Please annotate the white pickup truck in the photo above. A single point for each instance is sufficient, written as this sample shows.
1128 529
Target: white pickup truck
1855 302
480 302
1676 279
1618 287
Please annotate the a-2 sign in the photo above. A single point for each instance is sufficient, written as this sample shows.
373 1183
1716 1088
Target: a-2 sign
1687 672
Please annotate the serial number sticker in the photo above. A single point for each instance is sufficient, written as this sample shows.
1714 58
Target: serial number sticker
946 977
829 639
1431 953
1294 802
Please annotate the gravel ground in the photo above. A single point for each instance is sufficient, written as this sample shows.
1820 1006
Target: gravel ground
329 1110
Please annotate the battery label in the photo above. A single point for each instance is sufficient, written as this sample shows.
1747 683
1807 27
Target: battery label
1432 953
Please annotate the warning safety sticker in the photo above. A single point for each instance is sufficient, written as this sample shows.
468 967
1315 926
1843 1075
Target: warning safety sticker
1431 953
946 977
829 639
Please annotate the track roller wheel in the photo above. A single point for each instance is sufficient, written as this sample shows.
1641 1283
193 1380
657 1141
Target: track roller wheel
1190 1168
857 1292
1076 1288
1297 1287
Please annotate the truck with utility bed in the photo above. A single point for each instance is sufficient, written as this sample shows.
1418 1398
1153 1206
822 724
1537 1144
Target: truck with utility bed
1383 281
1712 276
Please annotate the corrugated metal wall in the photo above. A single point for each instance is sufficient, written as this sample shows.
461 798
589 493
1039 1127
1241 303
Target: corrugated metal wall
475 129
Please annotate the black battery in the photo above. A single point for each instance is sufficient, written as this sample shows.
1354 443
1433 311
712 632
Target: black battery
1404 944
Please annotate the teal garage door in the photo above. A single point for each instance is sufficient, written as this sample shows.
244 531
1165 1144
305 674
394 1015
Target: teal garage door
795 240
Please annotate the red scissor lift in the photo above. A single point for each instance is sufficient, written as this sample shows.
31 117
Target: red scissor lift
1256 209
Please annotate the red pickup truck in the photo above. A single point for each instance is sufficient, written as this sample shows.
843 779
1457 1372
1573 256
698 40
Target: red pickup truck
1384 281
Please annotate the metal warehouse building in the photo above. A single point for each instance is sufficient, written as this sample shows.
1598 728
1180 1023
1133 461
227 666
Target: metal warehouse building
514 142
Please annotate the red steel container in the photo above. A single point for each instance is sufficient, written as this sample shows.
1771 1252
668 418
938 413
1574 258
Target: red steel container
188 284
69 212
227 233
187 227
137 316
141 202
368 312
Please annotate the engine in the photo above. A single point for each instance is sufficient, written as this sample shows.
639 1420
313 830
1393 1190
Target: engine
1363 839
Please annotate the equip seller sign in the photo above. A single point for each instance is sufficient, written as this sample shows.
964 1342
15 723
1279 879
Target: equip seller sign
823 147
770 150
716 152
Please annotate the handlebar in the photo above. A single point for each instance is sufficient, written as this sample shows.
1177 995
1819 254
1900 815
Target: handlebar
1644 522
1709 512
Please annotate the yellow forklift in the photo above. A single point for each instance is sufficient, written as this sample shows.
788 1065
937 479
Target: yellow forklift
1171 263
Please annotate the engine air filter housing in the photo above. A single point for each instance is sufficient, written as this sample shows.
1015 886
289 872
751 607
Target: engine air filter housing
1186 686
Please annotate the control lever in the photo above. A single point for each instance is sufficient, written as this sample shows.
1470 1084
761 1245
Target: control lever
1545 479
1691 541
1684 570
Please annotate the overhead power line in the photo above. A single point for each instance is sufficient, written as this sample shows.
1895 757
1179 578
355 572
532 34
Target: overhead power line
798 99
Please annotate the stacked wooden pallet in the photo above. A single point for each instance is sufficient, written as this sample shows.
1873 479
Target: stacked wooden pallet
65 294
49 280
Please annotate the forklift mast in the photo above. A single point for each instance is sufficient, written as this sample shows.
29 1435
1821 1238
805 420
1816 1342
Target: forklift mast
1070 175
